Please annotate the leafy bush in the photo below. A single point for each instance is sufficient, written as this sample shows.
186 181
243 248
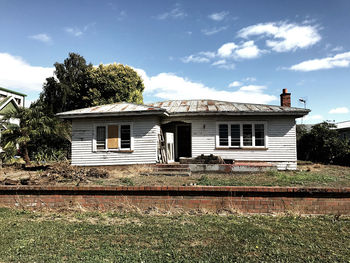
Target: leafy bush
323 144
49 155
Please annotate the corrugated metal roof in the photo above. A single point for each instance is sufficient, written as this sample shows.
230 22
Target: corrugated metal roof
185 107
176 107
120 108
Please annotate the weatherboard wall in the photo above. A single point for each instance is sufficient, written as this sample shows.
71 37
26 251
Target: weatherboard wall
145 135
281 147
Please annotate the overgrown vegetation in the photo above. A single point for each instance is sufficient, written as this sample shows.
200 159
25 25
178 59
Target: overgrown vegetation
134 237
36 132
311 175
322 144
75 84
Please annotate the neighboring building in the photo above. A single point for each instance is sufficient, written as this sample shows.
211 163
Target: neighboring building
10 101
344 129
125 133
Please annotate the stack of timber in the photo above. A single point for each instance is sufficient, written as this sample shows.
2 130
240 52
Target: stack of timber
162 156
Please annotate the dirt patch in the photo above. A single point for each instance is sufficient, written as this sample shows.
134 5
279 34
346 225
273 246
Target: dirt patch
56 173
311 175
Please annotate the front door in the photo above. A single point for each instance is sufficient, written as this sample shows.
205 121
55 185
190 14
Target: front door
184 142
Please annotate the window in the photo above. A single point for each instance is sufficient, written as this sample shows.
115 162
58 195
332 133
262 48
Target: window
223 134
100 137
125 136
259 134
247 135
235 135
240 135
113 137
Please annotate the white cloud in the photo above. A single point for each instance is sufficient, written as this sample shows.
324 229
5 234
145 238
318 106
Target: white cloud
340 110
226 55
227 66
212 31
337 49
283 36
175 13
235 84
250 79
248 50
170 86
17 74
201 57
218 16
42 38
253 88
338 61
219 62
226 50
75 31
208 54
316 117
195 59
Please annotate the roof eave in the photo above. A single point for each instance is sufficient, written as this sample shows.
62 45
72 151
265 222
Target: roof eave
110 114
13 92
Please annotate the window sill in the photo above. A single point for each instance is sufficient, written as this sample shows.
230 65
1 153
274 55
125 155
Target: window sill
114 151
243 148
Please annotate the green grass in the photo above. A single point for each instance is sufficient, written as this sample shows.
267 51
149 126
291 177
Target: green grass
278 178
132 237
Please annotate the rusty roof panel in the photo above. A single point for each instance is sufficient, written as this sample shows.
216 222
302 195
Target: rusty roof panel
174 107
213 106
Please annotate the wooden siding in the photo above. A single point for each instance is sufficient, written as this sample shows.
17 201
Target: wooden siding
281 133
145 132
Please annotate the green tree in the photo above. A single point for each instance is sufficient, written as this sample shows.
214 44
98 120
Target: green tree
114 83
323 144
69 88
77 84
34 126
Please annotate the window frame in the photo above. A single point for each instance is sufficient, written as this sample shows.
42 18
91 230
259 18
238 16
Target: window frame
119 149
241 146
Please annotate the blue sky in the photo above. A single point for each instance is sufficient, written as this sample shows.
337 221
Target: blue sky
244 51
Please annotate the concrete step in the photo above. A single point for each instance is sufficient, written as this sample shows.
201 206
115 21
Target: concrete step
171 165
158 169
170 173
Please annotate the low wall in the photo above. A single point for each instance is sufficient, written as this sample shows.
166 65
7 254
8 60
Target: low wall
210 198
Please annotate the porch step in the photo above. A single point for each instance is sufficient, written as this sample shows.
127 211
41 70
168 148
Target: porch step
157 169
171 173
161 165
171 170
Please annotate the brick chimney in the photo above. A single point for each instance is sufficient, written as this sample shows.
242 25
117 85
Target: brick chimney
285 98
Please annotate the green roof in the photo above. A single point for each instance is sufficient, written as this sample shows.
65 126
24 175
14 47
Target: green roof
14 92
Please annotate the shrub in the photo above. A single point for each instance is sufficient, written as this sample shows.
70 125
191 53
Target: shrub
323 144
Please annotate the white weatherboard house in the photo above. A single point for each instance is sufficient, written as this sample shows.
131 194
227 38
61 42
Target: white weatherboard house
126 133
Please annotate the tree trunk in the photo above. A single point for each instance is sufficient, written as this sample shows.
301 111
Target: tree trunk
26 155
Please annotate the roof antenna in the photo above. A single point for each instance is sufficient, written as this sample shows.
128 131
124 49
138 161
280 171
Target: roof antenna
303 100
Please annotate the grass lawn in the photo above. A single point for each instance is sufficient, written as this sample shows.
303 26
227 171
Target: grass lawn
314 175
310 175
133 237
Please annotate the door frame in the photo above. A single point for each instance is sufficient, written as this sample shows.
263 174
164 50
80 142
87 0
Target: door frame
177 157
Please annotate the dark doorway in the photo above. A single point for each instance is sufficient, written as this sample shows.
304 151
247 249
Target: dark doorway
184 143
